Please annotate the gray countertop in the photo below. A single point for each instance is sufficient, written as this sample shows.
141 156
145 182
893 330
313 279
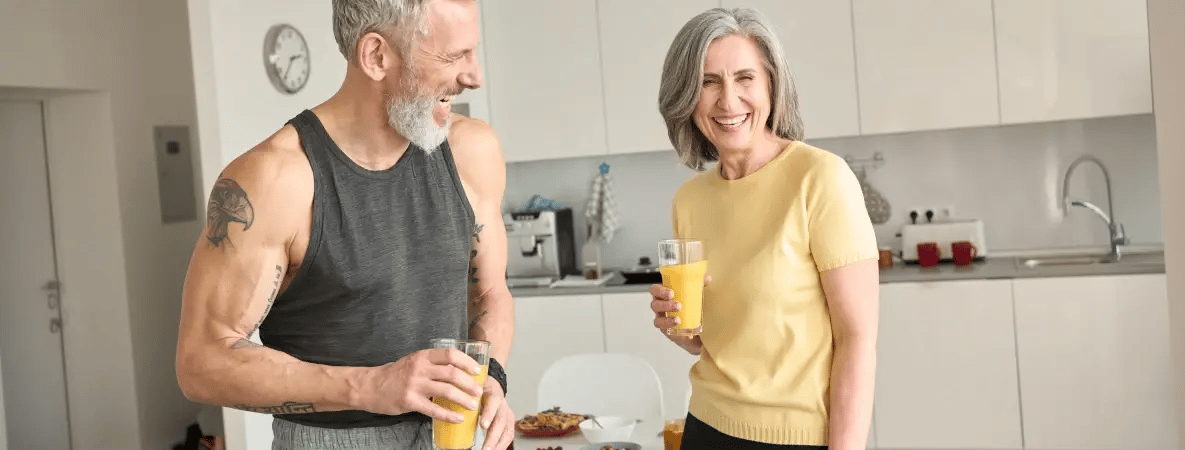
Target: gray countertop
1001 266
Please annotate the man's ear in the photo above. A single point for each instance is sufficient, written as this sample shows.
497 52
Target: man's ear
375 55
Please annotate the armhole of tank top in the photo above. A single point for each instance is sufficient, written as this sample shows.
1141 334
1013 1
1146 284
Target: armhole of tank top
451 163
315 228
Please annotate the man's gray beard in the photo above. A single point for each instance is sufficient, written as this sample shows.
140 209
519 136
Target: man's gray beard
413 120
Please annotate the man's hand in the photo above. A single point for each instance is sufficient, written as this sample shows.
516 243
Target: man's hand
410 383
496 417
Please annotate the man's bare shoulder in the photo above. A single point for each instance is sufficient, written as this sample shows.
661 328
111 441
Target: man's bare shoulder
279 158
474 141
276 170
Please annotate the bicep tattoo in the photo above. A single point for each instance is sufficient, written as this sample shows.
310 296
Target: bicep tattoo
228 203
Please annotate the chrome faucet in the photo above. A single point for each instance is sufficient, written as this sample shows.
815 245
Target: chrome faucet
1116 229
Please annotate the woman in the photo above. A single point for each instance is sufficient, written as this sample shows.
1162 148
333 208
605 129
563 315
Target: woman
788 347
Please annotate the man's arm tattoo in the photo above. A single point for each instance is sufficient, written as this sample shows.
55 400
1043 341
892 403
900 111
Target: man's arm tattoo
473 253
473 322
286 408
228 203
272 299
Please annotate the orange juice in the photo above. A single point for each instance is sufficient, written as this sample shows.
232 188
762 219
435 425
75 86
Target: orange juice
672 434
687 281
458 436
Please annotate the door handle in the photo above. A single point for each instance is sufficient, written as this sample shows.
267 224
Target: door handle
53 290
55 325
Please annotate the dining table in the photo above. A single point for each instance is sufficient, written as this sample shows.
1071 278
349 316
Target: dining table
647 434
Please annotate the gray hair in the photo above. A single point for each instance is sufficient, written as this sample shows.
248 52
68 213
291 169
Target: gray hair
683 74
401 20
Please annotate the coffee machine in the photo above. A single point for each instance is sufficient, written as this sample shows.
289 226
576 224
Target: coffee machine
541 247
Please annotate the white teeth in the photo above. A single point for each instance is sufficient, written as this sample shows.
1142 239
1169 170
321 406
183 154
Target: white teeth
732 122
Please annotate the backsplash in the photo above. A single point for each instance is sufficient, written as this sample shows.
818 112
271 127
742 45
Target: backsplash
1008 176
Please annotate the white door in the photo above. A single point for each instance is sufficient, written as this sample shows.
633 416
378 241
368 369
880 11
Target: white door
30 324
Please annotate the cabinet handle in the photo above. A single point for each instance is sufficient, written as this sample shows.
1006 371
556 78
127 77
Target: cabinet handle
55 325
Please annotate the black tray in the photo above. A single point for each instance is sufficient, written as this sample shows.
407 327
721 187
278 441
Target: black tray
642 277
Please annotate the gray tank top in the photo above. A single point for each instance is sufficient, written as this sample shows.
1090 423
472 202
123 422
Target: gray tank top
386 269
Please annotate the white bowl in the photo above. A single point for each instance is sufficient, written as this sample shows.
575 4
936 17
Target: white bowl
615 429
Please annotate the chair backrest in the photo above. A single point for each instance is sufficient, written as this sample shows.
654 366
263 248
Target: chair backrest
605 384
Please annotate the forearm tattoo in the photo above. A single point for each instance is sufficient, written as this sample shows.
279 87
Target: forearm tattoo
286 408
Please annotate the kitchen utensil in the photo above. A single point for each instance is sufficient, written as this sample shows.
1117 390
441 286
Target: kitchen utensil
928 254
878 207
615 429
964 252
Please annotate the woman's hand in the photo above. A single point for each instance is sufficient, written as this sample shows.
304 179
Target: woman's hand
664 306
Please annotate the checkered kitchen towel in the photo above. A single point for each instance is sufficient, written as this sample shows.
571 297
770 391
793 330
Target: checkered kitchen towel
600 212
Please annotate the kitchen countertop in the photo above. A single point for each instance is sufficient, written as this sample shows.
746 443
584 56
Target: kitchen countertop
999 265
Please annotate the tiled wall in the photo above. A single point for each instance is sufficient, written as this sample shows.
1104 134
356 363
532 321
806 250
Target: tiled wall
1010 177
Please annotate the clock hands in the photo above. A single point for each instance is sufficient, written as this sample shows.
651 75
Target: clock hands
291 59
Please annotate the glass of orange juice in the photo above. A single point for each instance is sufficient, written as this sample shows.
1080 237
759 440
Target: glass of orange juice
672 434
683 268
460 436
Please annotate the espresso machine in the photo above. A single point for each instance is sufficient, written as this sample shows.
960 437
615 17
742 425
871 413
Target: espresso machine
541 247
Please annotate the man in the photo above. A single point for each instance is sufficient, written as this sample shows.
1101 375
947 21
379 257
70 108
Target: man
353 236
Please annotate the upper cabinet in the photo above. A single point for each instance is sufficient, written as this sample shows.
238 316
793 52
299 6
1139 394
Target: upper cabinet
581 77
544 73
1072 59
634 43
816 37
925 64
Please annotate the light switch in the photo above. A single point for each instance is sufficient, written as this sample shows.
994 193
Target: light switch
174 168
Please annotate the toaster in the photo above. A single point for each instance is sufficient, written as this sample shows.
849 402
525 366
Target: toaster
943 234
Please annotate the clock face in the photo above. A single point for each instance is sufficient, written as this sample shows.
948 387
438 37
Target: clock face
286 58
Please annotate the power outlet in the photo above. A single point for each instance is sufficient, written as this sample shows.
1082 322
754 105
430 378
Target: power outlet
942 213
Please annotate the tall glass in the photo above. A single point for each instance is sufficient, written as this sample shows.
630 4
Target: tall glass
683 268
460 436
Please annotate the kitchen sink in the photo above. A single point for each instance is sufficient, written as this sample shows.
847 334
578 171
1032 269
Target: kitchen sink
1135 259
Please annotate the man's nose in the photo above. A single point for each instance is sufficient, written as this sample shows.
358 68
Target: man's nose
472 78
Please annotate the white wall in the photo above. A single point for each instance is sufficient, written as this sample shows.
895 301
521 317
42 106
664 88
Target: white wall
109 70
1166 26
238 107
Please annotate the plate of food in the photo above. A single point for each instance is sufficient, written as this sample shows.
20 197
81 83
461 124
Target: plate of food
550 423
612 446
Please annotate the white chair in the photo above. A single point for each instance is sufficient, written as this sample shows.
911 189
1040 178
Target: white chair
604 384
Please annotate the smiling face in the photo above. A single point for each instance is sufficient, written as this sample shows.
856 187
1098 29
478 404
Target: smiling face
734 102
438 68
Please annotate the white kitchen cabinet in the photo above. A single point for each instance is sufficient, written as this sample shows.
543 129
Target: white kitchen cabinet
629 329
1095 367
816 37
925 64
1072 59
634 43
547 329
946 366
544 71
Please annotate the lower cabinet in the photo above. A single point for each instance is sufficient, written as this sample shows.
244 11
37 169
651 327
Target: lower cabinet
629 328
547 329
1095 367
946 367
